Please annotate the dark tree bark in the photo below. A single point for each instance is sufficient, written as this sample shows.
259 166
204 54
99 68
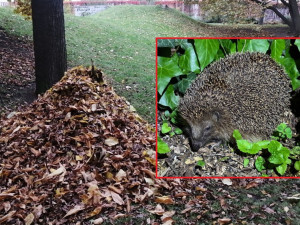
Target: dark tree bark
49 42
294 22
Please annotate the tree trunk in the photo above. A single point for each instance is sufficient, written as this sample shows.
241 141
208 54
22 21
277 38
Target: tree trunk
295 16
49 42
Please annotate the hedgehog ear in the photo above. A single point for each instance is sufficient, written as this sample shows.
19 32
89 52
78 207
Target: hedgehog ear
216 116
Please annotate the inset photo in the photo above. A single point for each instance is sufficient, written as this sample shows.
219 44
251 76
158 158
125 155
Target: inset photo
228 108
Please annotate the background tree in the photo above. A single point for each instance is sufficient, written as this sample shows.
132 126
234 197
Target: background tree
230 11
294 21
49 42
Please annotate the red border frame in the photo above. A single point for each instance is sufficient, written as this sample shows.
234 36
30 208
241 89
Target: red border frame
156 107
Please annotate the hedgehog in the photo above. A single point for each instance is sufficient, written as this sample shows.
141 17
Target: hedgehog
245 91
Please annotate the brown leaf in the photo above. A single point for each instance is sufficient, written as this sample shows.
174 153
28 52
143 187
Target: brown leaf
224 221
117 198
7 217
120 175
164 200
74 210
158 210
98 221
252 184
111 141
269 210
29 219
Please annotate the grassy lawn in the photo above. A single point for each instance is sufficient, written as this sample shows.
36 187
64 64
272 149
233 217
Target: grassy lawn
121 41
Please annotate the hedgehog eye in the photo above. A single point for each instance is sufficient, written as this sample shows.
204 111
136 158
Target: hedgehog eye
206 129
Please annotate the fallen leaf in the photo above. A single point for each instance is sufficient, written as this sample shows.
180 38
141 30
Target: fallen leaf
269 210
74 210
111 141
120 175
29 219
227 181
224 221
164 200
98 221
7 217
158 210
251 185
117 198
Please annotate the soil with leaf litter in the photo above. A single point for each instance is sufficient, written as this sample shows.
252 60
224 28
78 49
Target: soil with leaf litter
80 153
17 81
220 160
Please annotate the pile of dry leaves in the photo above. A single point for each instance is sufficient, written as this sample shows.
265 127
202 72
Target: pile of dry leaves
80 153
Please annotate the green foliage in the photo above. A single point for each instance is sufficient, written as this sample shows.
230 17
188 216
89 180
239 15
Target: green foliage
207 50
282 132
255 45
297 165
179 70
176 72
165 128
246 162
169 117
201 163
162 147
259 163
278 156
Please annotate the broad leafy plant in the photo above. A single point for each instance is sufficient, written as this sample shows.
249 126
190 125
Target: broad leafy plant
181 60
271 153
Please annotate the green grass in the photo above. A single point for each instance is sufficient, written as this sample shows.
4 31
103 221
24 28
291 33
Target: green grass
121 41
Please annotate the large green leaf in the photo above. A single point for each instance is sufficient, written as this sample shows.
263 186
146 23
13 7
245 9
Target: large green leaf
206 50
188 61
183 85
281 169
297 43
259 163
169 98
228 46
171 43
167 68
291 69
277 47
162 147
254 45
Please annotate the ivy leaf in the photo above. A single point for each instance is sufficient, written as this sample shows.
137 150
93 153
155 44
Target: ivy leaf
201 163
297 43
279 154
167 68
188 61
171 43
263 144
178 131
281 127
297 165
254 45
162 147
165 128
288 132
277 47
246 162
237 135
259 163
281 169
291 69
248 147
228 46
183 85
206 50
244 145
169 98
